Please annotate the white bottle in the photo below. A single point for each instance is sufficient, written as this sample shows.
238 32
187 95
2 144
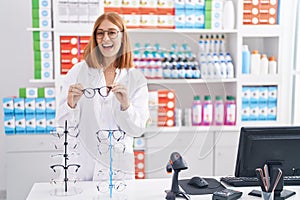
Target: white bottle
217 70
203 70
272 65
228 15
223 68
230 70
264 64
255 62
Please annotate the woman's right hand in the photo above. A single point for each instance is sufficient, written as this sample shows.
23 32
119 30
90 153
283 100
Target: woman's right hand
74 94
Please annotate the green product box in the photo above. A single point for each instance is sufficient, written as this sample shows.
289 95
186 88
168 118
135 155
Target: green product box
22 92
208 5
37 56
207 24
36 45
41 92
36 35
37 65
37 74
35 23
35 13
208 15
35 4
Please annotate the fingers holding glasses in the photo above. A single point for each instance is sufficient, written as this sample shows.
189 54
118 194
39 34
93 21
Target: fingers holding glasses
74 94
121 93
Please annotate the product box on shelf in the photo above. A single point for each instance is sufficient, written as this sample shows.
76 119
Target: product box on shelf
139 161
29 106
20 124
9 124
30 123
19 106
8 106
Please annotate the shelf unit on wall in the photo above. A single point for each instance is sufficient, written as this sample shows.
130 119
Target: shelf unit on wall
265 38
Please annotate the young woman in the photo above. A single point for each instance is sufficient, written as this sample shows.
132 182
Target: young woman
105 92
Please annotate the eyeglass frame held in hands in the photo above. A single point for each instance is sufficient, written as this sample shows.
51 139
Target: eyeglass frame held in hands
93 91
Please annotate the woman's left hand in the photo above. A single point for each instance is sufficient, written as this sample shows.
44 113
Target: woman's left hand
121 93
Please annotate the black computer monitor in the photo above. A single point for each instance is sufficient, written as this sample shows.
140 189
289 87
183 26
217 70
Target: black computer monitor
263 145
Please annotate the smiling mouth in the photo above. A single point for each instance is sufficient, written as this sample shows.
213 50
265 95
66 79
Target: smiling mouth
106 46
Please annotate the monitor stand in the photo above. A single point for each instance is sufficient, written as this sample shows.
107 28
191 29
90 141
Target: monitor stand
284 194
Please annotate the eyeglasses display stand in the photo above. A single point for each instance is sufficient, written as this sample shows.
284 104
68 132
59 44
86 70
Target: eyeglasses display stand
65 186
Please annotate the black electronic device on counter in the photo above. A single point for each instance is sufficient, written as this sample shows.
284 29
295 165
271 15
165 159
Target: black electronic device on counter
227 194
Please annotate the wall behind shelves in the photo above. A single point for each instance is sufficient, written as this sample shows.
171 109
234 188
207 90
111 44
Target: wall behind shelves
16 60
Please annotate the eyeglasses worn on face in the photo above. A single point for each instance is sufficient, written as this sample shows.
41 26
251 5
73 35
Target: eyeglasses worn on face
103 91
112 34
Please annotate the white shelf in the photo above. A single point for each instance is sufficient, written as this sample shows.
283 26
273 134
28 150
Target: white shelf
259 79
260 31
140 30
198 129
190 81
40 29
40 81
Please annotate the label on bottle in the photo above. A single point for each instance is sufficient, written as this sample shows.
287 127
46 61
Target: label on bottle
219 113
197 118
230 113
207 114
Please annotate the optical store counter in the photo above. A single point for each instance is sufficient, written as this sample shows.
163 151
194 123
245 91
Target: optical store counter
146 189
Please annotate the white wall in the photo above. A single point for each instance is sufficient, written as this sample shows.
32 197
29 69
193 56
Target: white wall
16 57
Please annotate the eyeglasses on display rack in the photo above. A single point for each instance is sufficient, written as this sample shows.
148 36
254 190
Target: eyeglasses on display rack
105 186
112 33
103 91
117 174
103 135
60 131
105 147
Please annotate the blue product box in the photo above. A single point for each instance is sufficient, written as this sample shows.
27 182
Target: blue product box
30 123
8 106
179 4
9 124
254 111
40 123
246 94
20 124
189 18
50 122
189 5
245 111
199 4
40 106
50 105
179 18
272 111
263 111
263 94
272 94
254 94
29 106
199 19
19 105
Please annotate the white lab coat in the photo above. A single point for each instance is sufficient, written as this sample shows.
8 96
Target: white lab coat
104 113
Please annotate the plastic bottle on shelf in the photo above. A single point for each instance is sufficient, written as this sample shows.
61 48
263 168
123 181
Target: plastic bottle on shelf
245 60
216 70
196 111
230 111
207 111
223 69
228 15
255 62
218 111
264 64
229 70
272 68
203 70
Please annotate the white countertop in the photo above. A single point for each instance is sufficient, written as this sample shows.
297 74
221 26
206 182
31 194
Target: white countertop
144 189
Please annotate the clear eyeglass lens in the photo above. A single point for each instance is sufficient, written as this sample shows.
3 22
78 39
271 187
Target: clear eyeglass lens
118 135
119 186
112 34
103 148
119 148
103 187
102 135
104 91
89 92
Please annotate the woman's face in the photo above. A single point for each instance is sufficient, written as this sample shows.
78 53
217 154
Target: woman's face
109 38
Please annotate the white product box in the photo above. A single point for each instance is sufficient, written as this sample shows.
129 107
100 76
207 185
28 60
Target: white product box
131 20
45 36
45 4
45 13
45 23
272 94
113 3
8 106
254 111
263 94
46 45
46 56
40 123
245 111
40 106
153 116
148 21
139 143
165 21
20 124
29 106
131 4
254 94
9 124
49 92
246 94
30 123
50 105
153 99
272 111
217 5
19 106
263 111
83 13
165 4
199 4
31 92
50 120
148 4
47 74
47 65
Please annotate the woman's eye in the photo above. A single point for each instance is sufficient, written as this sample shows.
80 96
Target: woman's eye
112 33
